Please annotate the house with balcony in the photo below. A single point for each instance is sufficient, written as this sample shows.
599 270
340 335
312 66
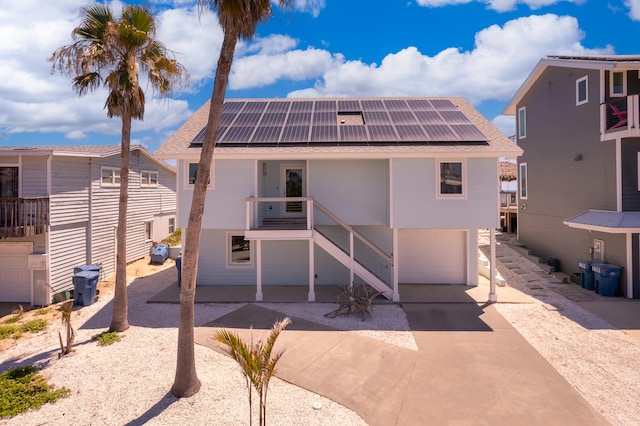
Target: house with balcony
579 177
59 209
312 193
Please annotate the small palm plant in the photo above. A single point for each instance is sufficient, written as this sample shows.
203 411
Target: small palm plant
256 361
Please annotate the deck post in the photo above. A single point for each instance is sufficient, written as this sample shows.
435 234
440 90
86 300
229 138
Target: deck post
493 297
351 260
396 293
312 273
259 294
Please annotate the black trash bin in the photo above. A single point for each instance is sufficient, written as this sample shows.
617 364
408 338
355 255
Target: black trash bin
179 268
586 274
606 278
160 254
85 284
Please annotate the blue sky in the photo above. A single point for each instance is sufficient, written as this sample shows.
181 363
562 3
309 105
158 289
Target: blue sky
479 49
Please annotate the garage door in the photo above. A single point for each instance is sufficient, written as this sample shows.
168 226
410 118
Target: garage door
15 276
432 256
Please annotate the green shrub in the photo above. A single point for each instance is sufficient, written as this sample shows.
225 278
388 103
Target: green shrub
34 325
107 338
174 239
43 311
22 389
7 330
12 320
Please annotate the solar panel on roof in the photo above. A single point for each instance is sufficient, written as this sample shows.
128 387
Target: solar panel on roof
324 118
273 118
353 134
254 107
299 134
411 132
402 117
247 119
324 133
396 105
382 133
265 134
199 138
468 132
419 104
348 105
299 118
429 117
232 106
372 105
443 105
440 133
237 134
455 117
279 106
227 118
325 106
301 106
376 117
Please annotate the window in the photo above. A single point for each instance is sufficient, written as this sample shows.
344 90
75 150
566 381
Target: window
582 86
618 83
192 173
451 178
523 181
110 176
172 225
148 178
148 231
9 182
239 251
522 123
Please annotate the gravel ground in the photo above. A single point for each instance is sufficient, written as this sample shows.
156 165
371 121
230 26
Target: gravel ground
129 382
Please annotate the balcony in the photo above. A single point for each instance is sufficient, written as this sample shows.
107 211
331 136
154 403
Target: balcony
620 118
23 217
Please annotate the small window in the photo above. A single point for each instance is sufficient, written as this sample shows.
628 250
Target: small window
172 225
522 123
239 251
148 179
523 181
618 83
148 231
582 86
451 179
192 173
110 176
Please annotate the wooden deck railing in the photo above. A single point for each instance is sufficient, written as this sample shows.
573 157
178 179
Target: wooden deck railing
23 217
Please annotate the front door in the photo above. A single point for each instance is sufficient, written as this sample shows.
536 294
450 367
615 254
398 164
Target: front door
293 184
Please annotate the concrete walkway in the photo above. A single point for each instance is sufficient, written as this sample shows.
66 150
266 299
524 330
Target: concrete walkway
472 367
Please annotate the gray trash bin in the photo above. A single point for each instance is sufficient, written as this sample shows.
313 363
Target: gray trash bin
85 284
160 254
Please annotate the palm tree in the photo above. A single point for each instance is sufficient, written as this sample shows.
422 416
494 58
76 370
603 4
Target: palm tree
238 18
110 52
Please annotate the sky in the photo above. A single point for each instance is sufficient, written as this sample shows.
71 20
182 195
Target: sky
481 50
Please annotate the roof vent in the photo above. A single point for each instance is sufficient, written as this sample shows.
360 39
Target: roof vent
350 118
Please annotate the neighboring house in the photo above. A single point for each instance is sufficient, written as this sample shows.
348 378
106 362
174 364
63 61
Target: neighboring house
508 197
59 209
578 123
318 192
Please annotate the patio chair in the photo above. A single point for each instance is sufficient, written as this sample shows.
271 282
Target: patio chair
621 116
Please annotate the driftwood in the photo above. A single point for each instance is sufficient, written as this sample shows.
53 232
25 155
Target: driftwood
357 298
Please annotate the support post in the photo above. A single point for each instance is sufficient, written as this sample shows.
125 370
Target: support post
312 272
493 297
394 255
258 270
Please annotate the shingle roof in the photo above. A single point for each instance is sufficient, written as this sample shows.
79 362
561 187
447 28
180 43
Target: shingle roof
481 137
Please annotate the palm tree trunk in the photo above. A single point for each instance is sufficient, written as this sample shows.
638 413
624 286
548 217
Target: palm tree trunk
119 318
186 382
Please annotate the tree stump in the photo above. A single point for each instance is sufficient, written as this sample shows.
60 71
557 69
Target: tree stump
357 298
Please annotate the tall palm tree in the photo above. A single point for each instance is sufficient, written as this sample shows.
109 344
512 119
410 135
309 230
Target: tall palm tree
238 18
110 51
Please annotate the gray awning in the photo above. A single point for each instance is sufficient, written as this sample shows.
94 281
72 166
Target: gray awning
606 221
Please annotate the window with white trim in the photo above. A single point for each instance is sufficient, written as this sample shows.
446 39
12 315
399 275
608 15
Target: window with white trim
618 83
523 181
148 179
192 173
172 225
239 251
522 122
451 179
582 90
110 176
148 231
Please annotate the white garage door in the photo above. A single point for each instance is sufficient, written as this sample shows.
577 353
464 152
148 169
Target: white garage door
432 256
15 276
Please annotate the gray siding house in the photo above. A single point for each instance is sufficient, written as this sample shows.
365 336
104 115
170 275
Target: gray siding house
579 189
59 209
326 192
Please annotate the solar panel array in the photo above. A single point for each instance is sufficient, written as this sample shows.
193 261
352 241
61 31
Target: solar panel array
318 122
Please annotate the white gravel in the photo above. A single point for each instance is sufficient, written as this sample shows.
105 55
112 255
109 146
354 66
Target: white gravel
129 382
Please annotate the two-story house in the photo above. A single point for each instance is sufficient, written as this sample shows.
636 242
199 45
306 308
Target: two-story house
325 192
579 189
59 209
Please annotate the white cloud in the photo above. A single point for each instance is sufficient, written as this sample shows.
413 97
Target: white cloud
502 57
506 124
498 5
634 9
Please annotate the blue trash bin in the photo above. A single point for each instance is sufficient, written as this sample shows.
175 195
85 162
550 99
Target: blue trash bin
85 284
160 254
179 268
95 268
606 277
586 274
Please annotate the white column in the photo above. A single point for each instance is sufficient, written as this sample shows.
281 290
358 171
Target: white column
258 270
472 255
351 260
629 269
396 292
493 297
312 273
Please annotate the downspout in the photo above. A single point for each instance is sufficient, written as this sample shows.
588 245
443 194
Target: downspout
90 224
618 174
